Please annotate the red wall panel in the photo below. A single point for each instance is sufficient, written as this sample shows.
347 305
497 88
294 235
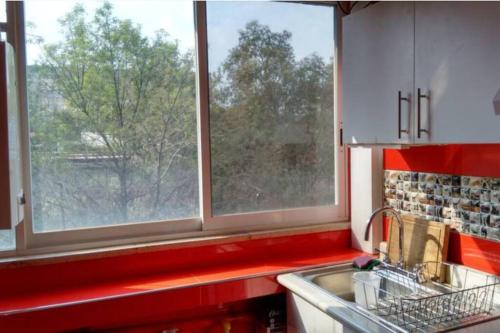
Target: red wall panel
482 160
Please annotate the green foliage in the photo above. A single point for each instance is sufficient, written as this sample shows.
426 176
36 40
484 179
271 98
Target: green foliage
271 126
135 98
113 125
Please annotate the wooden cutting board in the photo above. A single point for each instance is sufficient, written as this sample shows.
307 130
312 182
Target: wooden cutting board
424 241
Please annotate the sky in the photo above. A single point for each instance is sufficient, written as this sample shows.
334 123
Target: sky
311 26
175 17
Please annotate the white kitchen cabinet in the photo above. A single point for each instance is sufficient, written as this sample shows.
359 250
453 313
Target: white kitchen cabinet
457 62
303 317
377 67
443 56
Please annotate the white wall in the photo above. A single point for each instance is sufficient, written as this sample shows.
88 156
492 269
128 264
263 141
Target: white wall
366 195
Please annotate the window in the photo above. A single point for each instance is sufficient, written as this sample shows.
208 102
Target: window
112 113
7 237
272 123
151 121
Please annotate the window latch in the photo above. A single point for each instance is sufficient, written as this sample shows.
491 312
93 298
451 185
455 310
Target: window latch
21 199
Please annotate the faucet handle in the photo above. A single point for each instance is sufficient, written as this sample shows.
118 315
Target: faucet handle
385 258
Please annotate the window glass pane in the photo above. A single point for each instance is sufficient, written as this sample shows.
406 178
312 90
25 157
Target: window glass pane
7 240
112 112
271 105
7 237
3 13
3 18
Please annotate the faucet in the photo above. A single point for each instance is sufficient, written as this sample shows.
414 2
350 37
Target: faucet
400 224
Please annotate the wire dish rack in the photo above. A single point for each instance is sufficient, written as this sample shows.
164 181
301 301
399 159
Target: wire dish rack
417 304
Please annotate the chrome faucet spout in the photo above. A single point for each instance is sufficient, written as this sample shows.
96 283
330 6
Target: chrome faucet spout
400 225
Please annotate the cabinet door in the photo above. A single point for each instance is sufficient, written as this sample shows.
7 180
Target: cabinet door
457 65
377 64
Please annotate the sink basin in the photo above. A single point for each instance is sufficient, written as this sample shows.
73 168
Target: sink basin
338 283
335 283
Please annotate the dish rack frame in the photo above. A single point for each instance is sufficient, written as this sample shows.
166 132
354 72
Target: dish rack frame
426 304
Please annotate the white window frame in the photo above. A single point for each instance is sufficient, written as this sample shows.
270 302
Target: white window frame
29 242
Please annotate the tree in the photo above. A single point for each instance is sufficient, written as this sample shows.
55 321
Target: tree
271 126
128 110
113 125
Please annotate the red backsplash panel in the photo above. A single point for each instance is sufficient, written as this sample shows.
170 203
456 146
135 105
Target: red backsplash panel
475 252
482 160
467 160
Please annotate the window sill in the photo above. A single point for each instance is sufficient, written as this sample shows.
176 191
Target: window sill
63 254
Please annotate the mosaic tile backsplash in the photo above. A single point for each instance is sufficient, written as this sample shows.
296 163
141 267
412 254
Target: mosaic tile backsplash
469 204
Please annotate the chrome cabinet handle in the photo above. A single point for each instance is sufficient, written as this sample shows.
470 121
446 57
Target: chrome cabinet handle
401 98
419 126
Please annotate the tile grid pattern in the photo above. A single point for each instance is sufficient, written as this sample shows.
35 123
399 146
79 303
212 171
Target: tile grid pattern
469 204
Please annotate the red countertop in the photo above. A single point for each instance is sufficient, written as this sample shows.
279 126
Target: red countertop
20 303
101 294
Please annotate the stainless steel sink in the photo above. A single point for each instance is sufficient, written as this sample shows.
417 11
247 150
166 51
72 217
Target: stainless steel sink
336 283
339 281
